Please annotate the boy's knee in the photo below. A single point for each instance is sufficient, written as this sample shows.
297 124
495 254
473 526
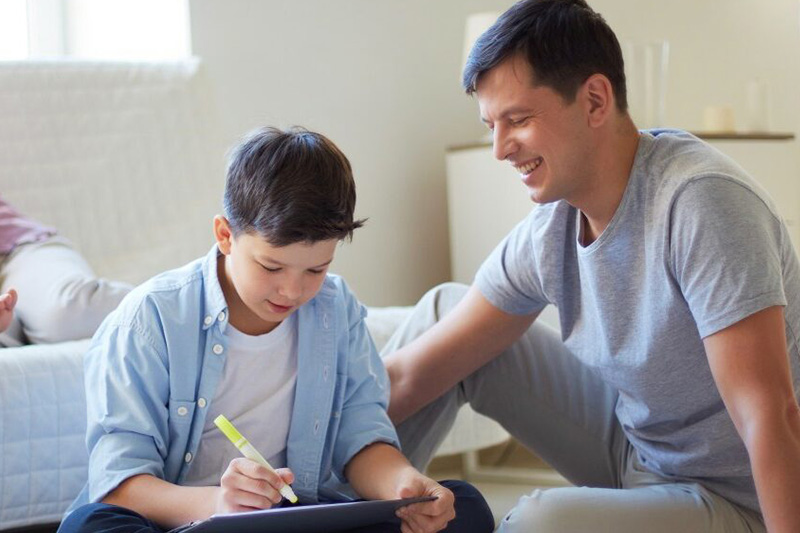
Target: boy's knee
103 517
473 514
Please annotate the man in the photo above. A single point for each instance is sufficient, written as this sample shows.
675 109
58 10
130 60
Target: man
668 398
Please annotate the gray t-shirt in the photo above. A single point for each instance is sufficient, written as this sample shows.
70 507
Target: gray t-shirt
694 247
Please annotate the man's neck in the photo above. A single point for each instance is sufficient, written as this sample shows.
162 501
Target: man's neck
601 197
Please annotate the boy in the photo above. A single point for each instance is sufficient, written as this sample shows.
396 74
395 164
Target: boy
258 331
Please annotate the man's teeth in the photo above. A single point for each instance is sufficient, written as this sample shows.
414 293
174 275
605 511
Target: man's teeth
530 167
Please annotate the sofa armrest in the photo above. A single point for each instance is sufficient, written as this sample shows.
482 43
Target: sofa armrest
43 457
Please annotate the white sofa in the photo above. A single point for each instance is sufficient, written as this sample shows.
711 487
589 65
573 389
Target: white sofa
122 158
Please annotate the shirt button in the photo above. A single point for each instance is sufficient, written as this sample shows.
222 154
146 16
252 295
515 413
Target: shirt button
221 316
182 411
201 402
325 321
187 457
208 320
217 349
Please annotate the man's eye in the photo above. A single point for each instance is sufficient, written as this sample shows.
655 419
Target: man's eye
518 121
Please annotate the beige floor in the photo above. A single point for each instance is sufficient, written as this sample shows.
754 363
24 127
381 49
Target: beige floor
501 495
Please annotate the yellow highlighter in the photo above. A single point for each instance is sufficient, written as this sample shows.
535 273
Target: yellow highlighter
250 452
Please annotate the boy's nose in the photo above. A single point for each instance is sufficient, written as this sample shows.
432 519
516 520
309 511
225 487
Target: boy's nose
291 290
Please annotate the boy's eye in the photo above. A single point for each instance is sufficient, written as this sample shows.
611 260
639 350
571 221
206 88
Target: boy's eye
316 271
270 269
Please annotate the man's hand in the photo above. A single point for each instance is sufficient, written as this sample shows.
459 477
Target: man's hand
7 302
424 517
249 486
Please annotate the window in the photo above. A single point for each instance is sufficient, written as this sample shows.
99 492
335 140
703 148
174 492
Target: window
95 29
13 29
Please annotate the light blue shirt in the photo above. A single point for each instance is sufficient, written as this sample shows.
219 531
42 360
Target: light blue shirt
154 364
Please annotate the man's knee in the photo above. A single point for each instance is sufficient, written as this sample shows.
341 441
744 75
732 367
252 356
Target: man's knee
444 297
546 511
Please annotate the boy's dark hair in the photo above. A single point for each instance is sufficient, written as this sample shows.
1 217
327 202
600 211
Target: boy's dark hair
564 41
290 186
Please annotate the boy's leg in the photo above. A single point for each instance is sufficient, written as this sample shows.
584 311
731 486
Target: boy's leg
472 513
60 297
536 389
102 517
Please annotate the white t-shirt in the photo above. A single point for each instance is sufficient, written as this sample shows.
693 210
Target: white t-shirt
256 393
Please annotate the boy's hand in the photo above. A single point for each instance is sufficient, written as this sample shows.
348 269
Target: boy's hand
7 303
249 486
425 517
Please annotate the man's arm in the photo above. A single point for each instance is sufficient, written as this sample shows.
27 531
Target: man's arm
467 338
751 369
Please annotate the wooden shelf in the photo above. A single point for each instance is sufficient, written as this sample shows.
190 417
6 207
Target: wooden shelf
733 136
705 135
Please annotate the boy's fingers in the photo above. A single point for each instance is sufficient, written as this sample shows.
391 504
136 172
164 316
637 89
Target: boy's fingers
255 470
286 475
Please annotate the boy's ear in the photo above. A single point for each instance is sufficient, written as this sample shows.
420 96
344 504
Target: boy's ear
223 234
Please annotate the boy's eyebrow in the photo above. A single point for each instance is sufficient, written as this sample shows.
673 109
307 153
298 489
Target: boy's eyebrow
267 259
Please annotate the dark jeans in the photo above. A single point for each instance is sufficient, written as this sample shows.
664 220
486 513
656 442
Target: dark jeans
472 516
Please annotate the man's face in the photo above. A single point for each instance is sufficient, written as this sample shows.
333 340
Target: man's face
535 130
264 284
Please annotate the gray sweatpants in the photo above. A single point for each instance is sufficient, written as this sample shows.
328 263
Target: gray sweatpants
555 406
60 297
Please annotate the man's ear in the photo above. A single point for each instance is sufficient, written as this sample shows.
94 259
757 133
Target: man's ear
598 94
223 234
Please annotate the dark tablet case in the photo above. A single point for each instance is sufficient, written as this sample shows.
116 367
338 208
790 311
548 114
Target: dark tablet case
328 518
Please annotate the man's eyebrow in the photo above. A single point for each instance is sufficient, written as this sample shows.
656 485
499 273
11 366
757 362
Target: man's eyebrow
505 114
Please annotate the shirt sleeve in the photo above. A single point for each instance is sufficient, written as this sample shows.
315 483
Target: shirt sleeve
364 416
127 391
726 251
507 278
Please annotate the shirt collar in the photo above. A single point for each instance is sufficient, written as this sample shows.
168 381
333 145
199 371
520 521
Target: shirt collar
215 303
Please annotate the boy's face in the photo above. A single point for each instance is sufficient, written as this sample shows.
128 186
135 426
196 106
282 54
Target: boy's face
264 284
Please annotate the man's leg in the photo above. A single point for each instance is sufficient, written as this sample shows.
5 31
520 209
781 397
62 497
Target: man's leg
102 517
537 390
647 502
60 297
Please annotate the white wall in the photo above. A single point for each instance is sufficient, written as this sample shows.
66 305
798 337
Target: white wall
381 79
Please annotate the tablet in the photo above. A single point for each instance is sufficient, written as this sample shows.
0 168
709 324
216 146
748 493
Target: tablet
324 517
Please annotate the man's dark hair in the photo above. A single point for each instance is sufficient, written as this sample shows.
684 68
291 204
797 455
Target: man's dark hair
564 41
290 186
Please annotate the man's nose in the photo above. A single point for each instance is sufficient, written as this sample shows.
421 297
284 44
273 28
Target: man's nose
503 144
